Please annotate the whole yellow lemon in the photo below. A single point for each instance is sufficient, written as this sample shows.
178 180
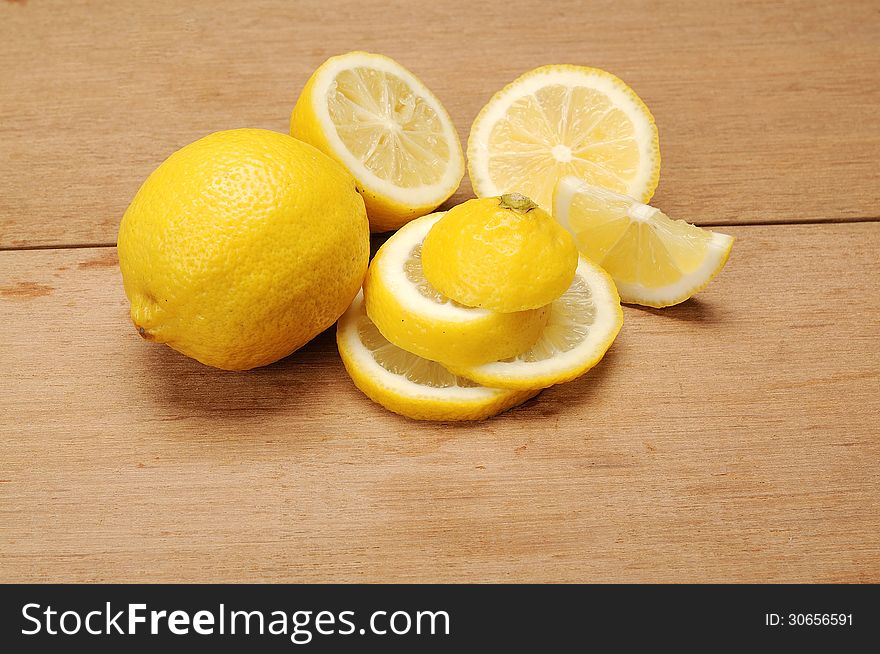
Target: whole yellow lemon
241 247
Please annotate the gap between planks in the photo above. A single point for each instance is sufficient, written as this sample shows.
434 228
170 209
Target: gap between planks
750 223
53 246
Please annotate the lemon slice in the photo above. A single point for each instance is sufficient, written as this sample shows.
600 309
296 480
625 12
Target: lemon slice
582 325
382 123
564 120
654 260
414 316
409 385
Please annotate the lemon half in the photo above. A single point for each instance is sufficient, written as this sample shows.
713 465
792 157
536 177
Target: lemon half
564 120
383 124
408 384
414 316
654 260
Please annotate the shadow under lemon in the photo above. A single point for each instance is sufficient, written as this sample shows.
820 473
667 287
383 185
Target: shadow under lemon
694 310
311 385
306 383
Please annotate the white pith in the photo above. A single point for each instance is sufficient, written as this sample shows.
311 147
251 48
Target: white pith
422 195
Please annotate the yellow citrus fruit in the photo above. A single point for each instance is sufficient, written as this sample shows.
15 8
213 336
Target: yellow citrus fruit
582 325
415 317
383 124
654 260
408 384
503 254
564 120
241 247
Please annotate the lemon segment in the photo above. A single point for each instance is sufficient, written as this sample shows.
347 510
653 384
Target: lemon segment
582 325
411 314
504 254
383 124
563 120
654 260
408 384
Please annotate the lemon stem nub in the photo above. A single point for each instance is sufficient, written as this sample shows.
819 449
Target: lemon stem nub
517 202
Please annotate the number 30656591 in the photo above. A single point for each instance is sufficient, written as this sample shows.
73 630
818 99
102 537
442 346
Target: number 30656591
809 619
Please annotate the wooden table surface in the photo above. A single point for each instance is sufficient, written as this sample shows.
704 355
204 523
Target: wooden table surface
732 438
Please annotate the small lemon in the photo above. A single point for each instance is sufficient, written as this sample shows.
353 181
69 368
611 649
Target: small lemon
504 254
241 247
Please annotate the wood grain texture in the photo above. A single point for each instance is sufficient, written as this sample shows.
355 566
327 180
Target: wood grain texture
733 438
767 111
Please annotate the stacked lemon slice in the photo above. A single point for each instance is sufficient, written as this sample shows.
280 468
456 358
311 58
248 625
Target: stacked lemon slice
408 384
426 355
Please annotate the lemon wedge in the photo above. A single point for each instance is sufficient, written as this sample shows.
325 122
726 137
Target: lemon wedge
382 123
582 325
408 384
411 314
654 260
563 120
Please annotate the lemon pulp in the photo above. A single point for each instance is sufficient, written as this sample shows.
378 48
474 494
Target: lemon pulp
564 120
395 133
386 127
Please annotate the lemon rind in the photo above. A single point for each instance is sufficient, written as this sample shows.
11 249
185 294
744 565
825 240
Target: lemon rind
529 274
395 255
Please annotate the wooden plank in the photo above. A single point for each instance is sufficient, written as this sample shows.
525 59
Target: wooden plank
733 438
767 111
